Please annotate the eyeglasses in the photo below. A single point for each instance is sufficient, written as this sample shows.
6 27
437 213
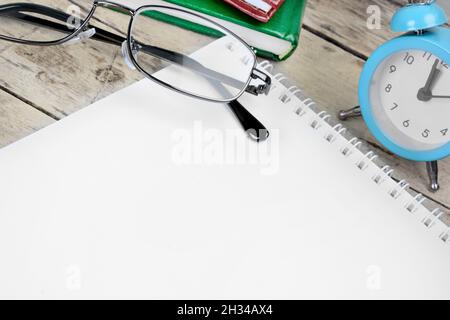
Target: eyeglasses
223 76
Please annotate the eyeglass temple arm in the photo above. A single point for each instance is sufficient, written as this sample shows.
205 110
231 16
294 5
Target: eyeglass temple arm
254 128
15 9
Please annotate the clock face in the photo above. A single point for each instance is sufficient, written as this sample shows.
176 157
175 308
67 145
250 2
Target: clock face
410 99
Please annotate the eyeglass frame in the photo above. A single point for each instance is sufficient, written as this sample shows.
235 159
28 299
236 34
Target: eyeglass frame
233 103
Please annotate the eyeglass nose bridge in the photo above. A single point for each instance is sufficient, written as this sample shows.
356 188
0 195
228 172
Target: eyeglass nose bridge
87 34
126 54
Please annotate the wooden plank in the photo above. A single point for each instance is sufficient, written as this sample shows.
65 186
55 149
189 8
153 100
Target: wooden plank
445 4
63 79
18 119
330 75
345 22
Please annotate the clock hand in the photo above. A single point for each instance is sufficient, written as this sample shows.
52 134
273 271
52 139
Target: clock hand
425 93
433 74
440 97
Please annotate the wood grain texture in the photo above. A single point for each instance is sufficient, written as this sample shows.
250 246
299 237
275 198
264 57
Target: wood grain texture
345 22
63 79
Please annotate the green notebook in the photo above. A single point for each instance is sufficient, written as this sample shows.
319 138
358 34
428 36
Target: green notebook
275 40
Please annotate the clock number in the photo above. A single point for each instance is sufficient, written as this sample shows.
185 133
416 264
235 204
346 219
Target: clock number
427 55
409 59
406 123
392 69
394 107
444 132
426 133
388 88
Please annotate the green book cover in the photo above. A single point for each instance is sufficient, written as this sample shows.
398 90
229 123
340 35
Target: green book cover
285 24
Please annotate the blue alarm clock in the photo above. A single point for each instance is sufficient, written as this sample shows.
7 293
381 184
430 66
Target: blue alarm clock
404 90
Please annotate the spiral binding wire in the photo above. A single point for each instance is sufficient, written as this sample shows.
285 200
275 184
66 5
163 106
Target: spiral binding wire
319 119
353 143
434 216
364 162
445 236
401 187
417 201
337 130
385 173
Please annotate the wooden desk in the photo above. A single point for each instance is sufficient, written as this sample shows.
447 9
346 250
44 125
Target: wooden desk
42 85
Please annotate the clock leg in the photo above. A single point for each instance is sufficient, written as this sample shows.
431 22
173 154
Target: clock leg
433 173
350 113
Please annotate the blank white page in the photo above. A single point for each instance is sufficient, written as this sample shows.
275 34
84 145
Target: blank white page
106 204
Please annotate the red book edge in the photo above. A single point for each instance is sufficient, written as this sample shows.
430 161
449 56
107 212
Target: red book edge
254 12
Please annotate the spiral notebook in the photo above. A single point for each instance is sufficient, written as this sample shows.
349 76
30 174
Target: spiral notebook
150 194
